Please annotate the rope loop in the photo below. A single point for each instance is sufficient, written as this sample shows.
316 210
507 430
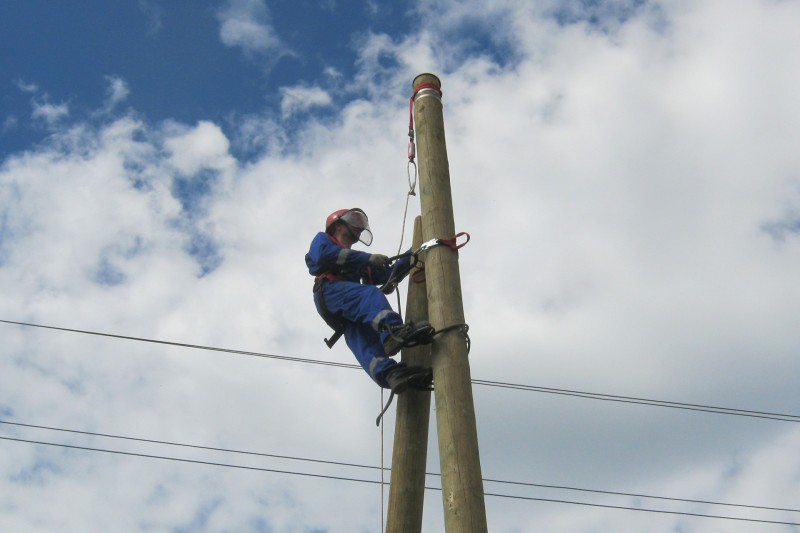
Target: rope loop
462 328
412 183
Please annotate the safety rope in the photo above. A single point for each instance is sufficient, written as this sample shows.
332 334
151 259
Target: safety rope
383 482
412 153
412 185
380 416
412 148
411 192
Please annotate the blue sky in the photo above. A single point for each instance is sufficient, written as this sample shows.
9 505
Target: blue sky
175 59
628 172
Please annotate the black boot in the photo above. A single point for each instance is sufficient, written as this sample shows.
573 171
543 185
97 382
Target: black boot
402 378
409 334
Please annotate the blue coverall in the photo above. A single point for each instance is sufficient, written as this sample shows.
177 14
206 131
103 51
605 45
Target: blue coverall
351 291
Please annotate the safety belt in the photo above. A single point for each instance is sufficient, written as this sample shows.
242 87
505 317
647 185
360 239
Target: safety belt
334 320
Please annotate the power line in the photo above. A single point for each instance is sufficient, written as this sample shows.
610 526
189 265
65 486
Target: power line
185 345
660 511
643 401
514 386
194 461
369 467
193 446
597 396
646 496
341 478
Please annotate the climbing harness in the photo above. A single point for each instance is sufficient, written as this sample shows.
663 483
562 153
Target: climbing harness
338 324
398 274
334 320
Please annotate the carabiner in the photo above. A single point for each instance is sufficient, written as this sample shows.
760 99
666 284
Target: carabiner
424 247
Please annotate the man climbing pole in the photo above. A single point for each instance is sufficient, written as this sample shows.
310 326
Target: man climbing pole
348 298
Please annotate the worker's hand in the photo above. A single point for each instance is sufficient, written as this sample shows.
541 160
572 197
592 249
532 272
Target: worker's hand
379 261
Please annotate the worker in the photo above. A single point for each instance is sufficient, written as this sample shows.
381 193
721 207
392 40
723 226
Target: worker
348 297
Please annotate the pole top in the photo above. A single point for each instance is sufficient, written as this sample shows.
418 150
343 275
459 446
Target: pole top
426 78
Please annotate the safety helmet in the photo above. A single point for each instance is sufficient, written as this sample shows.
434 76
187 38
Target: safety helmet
355 219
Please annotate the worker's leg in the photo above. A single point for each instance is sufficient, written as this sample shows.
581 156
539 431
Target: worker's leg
366 345
363 304
366 311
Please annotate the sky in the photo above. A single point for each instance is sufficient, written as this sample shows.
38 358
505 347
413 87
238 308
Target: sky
628 173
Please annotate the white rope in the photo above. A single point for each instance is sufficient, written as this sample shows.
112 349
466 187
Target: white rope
411 192
383 508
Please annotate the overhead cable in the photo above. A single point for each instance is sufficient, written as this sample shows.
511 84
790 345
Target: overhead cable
369 467
186 345
643 401
341 478
514 386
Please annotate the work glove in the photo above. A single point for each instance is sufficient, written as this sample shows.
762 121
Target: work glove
379 261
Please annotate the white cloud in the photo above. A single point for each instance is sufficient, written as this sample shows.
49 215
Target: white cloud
300 99
27 87
48 112
117 91
245 24
10 123
618 187
154 14
204 146
41 107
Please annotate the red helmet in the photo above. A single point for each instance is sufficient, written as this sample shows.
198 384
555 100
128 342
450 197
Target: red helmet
355 219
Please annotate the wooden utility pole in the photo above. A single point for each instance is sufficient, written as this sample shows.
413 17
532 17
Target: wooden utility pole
409 458
462 483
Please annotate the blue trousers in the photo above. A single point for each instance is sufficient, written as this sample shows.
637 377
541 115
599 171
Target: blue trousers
365 310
